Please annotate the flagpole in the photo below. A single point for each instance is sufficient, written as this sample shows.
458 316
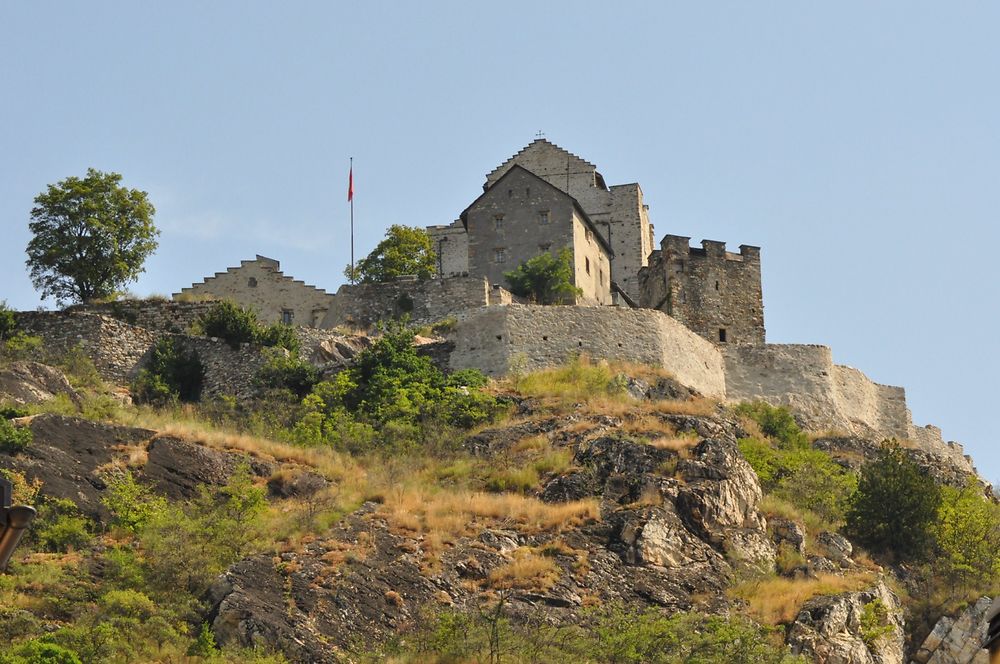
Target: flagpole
354 277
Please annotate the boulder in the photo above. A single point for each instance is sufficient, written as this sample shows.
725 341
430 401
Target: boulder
788 532
838 548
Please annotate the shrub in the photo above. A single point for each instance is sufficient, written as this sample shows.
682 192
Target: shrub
284 370
14 438
874 622
239 325
8 323
60 527
545 279
895 506
132 505
967 537
775 422
172 373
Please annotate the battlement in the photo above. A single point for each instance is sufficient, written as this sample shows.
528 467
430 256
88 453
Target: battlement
709 248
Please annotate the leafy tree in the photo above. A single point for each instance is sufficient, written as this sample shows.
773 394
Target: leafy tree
895 506
967 537
91 236
8 324
406 250
545 279
173 372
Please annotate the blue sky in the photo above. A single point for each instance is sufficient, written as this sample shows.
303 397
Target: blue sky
858 143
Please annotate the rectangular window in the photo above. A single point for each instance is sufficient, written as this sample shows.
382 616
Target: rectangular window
499 255
498 222
586 264
543 217
286 316
722 335
601 277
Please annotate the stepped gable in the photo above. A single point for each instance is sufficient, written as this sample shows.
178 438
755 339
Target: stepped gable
541 150
265 263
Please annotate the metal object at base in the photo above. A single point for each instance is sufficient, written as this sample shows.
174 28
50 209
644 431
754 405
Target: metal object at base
16 521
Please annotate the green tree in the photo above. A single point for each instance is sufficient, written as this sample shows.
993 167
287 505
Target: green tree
406 250
91 236
545 279
896 505
967 537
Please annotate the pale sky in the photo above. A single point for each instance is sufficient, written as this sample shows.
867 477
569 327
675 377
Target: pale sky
858 143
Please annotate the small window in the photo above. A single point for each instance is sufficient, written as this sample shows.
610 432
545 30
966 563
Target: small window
498 222
510 193
527 191
716 285
545 246
600 277
499 255
252 282
722 335
543 217
586 264
287 315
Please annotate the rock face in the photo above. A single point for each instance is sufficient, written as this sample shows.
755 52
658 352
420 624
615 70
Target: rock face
837 629
176 467
31 382
957 640
67 454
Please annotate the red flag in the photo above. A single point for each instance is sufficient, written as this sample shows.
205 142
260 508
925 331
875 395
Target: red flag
350 185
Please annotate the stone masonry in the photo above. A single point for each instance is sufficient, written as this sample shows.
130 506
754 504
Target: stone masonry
714 292
260 284
497 339
424 302
521 216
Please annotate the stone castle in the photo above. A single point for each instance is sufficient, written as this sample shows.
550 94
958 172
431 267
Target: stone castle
696 311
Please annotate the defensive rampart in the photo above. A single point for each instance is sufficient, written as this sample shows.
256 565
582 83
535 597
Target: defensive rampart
497 338
428 301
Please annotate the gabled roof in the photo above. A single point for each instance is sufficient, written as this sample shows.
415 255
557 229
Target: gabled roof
516 168
537 145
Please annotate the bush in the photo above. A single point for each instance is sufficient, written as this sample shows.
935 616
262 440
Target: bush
545 279
895 506
775 422
284 370
60 527
14 438
239 325
8 323
967 538
172 373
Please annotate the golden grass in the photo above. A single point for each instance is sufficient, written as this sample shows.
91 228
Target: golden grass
528 570
772 506
676 444
531 444
777 600
700 406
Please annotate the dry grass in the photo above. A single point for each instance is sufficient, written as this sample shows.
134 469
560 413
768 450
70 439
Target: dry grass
699 406
531 444
772 506
528 570
679 444
777 600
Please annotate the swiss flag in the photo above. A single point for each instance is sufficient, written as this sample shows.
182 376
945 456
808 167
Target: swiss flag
350 185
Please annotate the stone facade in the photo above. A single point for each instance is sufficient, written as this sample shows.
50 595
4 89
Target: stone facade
496 339
521 216
260 284
363 305
451 243
714 292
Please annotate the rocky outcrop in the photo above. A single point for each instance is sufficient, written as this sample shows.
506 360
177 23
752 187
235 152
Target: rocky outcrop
863 627
68 455
718 499
176 468
957 640
24 383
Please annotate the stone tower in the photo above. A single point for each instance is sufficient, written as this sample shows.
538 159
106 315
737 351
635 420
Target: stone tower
715 293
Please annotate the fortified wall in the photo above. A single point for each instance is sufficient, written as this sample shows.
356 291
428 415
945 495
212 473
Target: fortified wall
497 339
429 301
165 316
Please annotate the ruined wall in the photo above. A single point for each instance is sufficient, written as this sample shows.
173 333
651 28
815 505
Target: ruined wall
363 305
162 316
494 339
260 284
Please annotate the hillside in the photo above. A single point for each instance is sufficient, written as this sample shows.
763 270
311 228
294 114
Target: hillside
385 512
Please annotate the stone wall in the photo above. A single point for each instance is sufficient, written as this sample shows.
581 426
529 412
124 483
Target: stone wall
163 316
495 339
714 292
451 244
363 305
260 284
823 395
114 346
